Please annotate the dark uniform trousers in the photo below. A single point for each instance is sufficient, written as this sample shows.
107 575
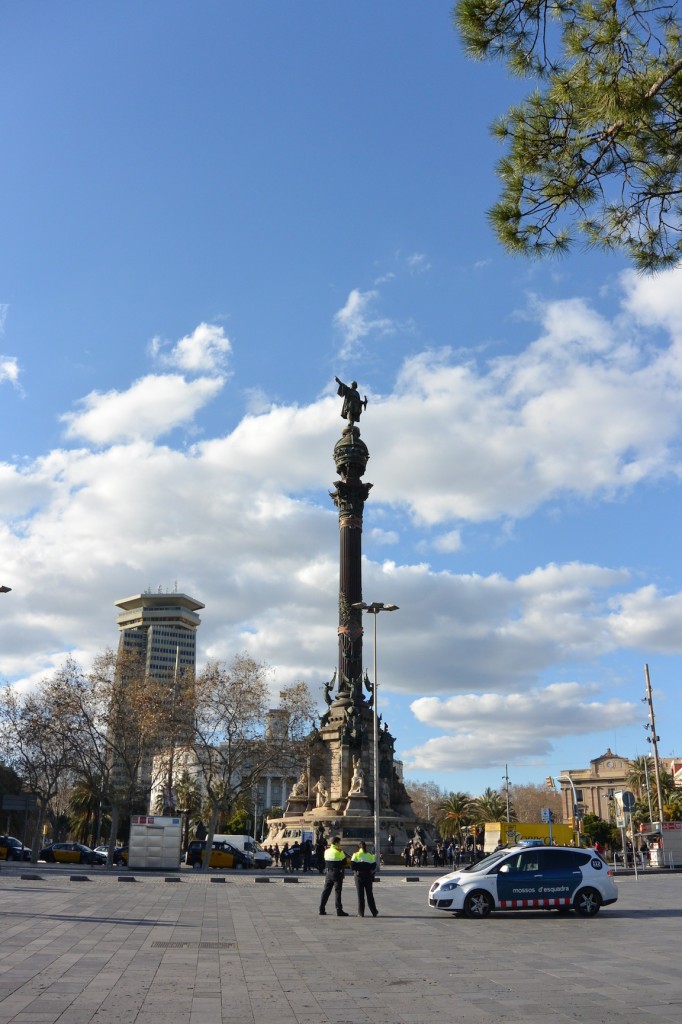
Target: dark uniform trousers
333 880
364 881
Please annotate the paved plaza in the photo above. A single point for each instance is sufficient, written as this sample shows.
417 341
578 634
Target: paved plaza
195 951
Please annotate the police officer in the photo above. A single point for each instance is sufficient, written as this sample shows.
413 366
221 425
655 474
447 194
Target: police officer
364 866
335 862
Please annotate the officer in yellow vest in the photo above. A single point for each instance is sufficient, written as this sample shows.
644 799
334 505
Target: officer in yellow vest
335 863
364 866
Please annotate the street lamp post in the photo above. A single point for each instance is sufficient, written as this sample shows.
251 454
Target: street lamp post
576 826
374 609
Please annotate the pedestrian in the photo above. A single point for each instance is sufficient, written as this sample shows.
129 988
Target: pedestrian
335 862
364 867
320 847
295 856
307 854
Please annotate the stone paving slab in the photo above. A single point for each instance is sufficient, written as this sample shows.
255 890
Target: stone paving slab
240 953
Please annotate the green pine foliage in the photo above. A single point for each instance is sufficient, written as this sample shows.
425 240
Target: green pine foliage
595 152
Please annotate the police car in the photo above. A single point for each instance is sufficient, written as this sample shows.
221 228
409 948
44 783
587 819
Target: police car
528 878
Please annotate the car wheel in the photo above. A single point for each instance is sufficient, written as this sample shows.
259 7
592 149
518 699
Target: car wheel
587 902
196 864
478 903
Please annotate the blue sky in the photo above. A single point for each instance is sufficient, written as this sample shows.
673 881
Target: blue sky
211 210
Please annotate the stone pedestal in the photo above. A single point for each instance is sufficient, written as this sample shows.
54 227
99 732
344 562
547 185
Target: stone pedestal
296 806
358 805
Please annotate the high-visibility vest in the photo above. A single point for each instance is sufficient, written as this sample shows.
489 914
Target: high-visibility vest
333 854
367 858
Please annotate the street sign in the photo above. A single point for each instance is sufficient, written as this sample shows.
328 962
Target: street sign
20 802
628 801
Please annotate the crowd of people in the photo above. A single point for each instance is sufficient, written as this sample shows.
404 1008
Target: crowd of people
308 855
299 856
445 853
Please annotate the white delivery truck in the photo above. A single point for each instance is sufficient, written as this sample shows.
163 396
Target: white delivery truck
248 845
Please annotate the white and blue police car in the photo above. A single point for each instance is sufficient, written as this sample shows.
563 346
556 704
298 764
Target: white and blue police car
528 878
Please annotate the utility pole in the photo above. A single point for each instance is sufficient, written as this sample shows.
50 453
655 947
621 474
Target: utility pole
506 789
653 740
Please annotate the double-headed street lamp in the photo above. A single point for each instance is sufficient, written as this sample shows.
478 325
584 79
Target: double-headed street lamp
374 609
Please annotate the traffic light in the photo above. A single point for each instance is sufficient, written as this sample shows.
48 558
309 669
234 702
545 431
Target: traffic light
549 782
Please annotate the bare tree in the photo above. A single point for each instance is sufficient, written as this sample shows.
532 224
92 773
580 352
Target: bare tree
425 797
118 717
34 738
229 704
231 743
529 800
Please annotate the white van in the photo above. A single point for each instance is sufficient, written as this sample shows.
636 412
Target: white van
248 845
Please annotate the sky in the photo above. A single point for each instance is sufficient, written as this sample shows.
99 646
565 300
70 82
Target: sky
208 211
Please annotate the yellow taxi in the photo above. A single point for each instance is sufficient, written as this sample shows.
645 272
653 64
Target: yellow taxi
223 855
68 853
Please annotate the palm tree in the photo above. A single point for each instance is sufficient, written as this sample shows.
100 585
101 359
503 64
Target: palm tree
454 814
492 806
639 770
673 806
85 811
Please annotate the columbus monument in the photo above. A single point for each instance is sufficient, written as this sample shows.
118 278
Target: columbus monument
335 791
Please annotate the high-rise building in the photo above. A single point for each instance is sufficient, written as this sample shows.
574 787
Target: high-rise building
163 627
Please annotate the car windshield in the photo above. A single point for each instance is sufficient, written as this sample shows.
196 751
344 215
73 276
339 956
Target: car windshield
487 862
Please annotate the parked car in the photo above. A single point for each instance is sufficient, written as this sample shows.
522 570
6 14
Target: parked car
120 854
68 853
13 849
223 855
521 878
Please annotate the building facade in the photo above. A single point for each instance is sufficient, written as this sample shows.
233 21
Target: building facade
592 788
163 627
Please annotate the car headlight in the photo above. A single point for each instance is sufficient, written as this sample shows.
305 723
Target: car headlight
448 886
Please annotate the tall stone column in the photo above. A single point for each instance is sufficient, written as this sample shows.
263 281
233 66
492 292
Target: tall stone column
351 457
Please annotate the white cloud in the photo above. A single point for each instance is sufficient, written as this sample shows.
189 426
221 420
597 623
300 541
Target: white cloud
205 350
647 618
379 536
151 407
448 542
355 322
418 263
9 369
655 300
492 728
584 410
